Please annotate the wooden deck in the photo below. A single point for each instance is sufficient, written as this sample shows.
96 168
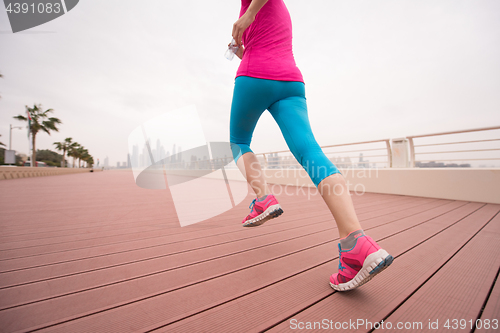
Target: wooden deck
93 252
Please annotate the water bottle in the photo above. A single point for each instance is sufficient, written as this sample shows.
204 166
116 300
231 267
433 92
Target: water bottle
231 50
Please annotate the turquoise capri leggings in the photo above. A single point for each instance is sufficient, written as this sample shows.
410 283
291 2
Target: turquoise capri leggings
286 102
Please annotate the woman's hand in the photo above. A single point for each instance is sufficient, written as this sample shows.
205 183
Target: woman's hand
240 26
245 20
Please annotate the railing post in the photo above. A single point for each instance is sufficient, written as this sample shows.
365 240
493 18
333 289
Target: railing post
265 161
412 152
389 152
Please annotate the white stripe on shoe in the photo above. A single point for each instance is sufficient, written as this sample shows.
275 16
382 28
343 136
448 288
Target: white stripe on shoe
374 264
270 213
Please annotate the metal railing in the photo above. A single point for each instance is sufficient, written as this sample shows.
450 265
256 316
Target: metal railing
413 146
380 153
341 158
272 160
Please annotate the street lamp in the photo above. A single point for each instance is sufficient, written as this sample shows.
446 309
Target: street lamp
10 135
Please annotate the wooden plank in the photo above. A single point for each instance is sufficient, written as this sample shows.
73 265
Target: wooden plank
108 198
49 236
218 264
115 192
458 290
39 273
490 318
374 301
212 292
18 260
93 278
21 249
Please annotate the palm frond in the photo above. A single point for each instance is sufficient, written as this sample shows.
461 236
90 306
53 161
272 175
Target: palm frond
19 117
55 120
49 125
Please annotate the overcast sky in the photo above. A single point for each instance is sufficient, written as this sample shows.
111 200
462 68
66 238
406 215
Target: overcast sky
373 69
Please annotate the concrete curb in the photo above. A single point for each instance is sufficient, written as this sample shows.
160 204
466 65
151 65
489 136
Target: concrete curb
25 172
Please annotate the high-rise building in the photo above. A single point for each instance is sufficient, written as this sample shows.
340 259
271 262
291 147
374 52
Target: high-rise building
135 156
145 160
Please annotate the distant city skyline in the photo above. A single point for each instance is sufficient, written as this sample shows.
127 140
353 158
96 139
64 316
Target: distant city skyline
158 153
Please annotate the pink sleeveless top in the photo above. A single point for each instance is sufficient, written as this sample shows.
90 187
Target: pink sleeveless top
268 44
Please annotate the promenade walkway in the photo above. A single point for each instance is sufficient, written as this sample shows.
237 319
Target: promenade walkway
92 252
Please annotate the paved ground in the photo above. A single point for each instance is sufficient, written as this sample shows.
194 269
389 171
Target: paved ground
95 253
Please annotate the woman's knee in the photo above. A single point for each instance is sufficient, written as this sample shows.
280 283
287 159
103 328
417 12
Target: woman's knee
238 149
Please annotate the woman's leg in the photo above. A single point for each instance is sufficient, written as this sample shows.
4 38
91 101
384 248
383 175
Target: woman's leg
251 97
335 192
360 257
246 108
250 167
291 115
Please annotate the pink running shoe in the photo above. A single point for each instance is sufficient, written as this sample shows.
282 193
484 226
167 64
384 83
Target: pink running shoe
262 211
360 259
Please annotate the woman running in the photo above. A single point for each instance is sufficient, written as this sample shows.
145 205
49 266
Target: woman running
268 79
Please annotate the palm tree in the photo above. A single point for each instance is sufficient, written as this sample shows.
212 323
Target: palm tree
83 153
40 120
1 144
80 152
72 151
87 158
77 152
64 147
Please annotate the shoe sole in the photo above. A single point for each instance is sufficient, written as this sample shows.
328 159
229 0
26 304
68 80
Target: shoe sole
373 265
270 213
